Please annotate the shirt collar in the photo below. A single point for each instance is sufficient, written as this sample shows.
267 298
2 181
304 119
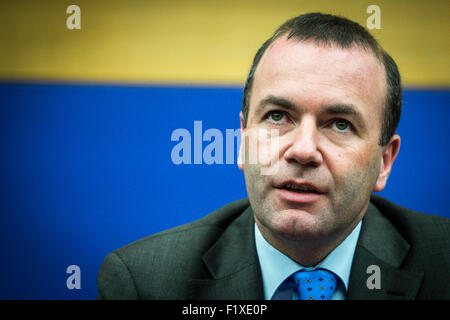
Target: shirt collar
277 267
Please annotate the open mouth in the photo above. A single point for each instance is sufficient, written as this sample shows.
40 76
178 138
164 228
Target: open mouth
301 188
299 192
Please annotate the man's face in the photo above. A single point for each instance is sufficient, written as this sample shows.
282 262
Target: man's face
327 105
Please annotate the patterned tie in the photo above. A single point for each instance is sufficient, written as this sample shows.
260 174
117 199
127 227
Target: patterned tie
318 284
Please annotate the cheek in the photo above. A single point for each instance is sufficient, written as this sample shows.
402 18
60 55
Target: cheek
353 165
262 147
255 181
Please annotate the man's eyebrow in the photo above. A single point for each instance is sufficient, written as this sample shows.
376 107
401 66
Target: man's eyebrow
335 109
344 109
341 109
276 101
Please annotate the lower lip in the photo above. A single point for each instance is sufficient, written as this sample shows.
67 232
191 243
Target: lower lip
298 197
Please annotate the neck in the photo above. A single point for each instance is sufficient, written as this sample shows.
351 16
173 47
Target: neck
306 252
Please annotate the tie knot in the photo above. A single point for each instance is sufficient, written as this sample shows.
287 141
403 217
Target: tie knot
318 284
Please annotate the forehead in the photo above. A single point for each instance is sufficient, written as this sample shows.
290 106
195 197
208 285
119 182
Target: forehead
320 74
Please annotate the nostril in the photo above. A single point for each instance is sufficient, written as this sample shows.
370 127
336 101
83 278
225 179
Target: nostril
313 159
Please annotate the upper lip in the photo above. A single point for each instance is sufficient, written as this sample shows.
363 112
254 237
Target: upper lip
300 184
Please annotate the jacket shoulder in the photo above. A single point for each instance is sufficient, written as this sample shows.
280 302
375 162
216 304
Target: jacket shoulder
413 224
215 221
146 266
428 237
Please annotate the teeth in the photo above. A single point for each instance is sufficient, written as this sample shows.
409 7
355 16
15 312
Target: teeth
297 187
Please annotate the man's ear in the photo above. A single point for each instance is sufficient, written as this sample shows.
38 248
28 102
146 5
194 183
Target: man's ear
390 152
241 148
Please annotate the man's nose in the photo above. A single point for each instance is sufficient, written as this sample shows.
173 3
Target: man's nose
303 144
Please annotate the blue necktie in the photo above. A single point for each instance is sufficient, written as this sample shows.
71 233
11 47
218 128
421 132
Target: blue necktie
318 284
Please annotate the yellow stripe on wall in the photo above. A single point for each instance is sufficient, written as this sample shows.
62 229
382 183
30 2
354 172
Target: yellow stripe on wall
206 41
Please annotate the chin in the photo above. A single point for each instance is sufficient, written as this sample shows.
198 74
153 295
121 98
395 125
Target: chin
298 224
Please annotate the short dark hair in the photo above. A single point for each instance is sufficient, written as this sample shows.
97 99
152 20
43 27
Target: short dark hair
329 29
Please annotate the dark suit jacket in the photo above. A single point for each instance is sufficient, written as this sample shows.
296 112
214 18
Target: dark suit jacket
215 258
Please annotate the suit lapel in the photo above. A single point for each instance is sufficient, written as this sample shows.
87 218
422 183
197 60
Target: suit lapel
234 265
381 245
236 273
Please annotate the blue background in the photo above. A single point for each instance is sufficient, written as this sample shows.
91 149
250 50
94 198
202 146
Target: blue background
86 169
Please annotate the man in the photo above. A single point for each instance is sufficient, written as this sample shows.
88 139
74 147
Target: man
328 97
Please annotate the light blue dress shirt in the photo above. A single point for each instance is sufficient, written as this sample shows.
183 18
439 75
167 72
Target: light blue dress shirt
277 267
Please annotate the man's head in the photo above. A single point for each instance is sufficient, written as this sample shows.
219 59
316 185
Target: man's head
332 30
324 84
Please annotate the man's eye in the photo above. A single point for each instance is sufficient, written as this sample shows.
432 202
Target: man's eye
276 116
342 125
